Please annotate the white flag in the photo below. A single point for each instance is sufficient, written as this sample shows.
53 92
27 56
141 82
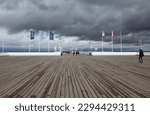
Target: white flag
103 34
112 34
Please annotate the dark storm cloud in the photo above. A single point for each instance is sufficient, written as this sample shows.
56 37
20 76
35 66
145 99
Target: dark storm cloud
82 18
138 22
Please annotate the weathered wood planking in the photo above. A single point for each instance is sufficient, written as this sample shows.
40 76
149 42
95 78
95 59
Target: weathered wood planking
74 77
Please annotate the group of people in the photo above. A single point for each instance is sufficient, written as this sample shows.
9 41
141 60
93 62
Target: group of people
141 54
75 52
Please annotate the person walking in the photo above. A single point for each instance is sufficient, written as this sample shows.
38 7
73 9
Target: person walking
141 55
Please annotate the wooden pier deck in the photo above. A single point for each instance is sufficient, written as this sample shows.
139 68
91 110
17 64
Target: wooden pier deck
74 77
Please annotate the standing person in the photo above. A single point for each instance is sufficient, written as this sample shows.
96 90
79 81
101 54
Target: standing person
77 52
73 52
141 55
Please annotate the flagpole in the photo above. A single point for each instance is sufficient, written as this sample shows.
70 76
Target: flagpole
112 41
121 41
48 40
102 44
29 44
102 40
90 44
3 46
39 42
61 45
91 47
29 38
48 45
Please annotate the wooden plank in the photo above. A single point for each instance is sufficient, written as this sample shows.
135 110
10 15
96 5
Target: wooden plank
74 77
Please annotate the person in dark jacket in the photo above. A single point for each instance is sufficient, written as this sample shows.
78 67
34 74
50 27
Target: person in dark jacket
77 52
141 55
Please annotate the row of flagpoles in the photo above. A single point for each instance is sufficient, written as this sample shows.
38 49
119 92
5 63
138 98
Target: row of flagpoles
41 35
50 36
112 38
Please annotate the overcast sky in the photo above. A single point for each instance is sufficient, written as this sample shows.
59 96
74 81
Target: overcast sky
80 19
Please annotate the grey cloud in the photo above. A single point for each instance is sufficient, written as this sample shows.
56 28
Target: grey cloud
138 21
10 4
82 18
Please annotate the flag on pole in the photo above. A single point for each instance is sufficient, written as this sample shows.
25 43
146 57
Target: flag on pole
32 35
51 36
112 34
103 34
42 34
112 37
